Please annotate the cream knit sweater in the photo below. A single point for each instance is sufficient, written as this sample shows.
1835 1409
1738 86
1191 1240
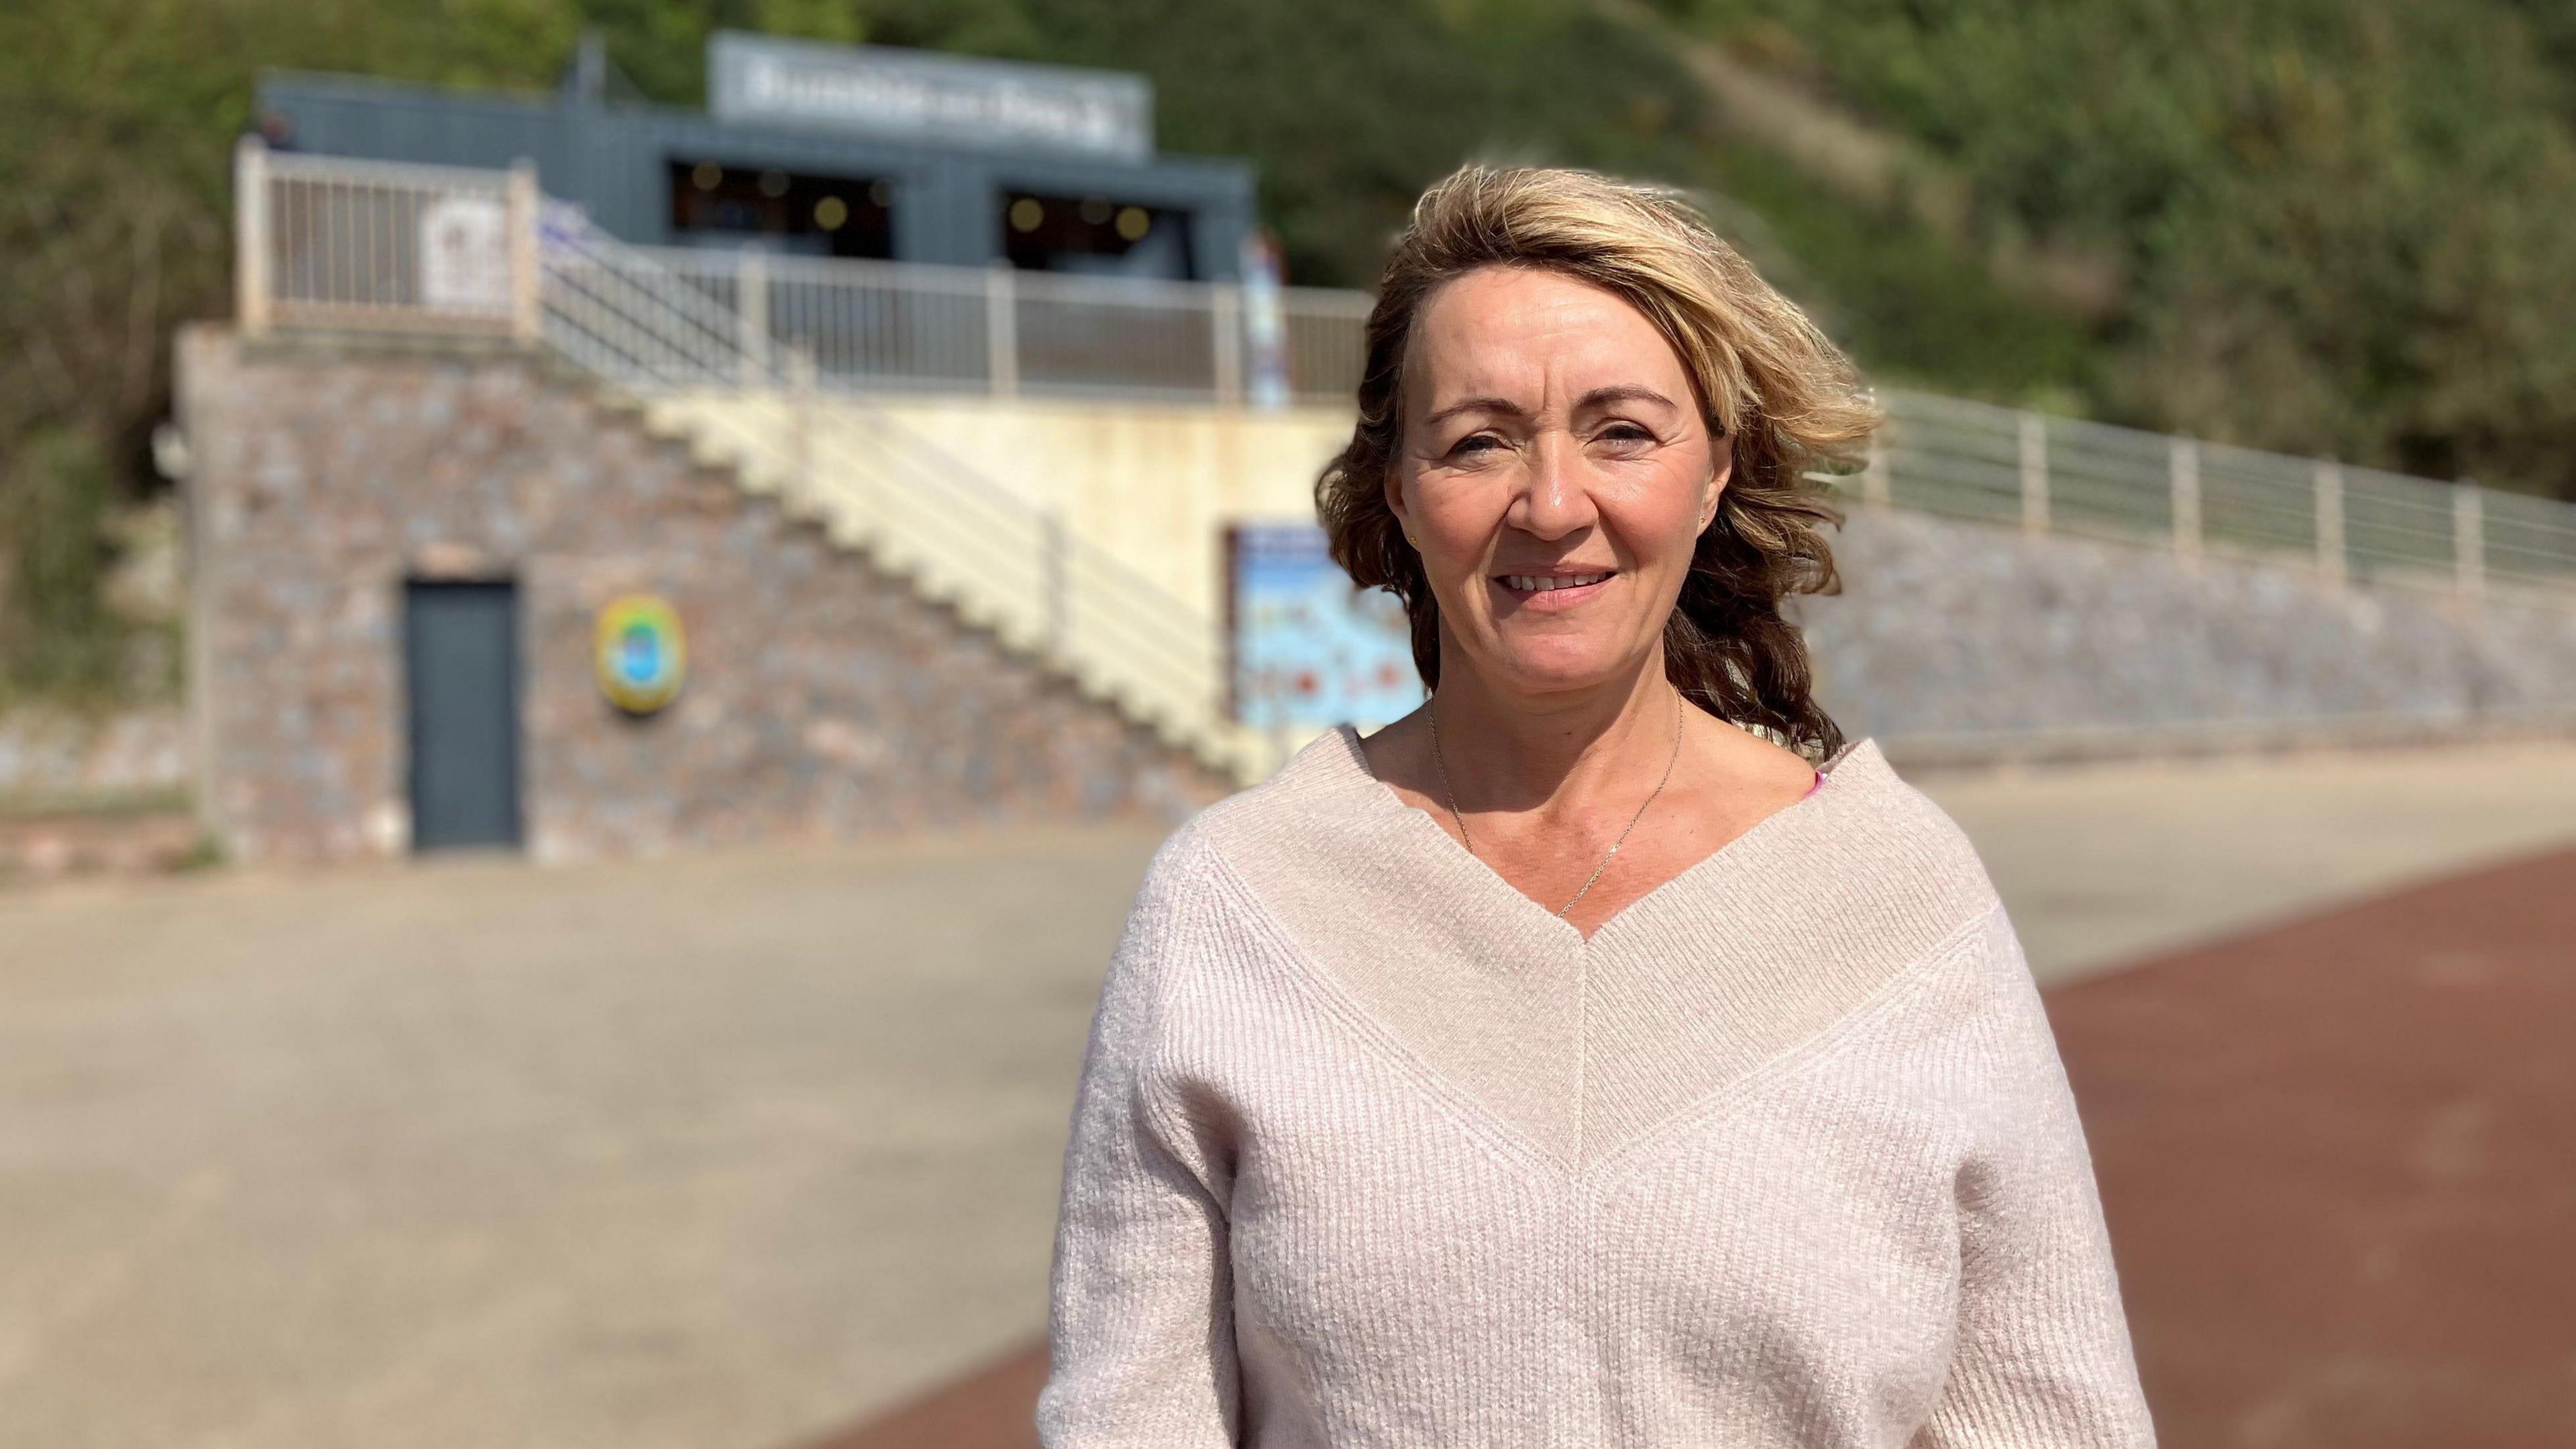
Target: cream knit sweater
1371 1149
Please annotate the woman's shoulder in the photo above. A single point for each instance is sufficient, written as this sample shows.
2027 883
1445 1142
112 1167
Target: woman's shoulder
1281 861
1866 892
1321 856
1870 845
1313 806
1322 794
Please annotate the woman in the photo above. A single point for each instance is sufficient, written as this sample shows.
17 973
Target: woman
1571 1062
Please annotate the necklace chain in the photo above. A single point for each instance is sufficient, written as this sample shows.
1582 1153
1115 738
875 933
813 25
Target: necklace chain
1450 797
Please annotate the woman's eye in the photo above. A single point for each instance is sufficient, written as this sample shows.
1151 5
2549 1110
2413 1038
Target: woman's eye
1473 443
1625 433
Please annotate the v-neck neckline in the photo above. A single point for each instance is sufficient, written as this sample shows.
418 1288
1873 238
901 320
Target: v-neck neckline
1467 864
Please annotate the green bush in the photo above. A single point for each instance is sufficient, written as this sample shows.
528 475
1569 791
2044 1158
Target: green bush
57 637
2341 225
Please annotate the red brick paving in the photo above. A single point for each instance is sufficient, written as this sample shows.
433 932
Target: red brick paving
2338 1159
995 1408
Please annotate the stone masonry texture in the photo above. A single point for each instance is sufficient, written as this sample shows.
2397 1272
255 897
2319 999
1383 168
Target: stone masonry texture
69 756
824 698
1971 640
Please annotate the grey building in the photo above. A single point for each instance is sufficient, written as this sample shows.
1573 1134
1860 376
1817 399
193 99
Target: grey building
855 151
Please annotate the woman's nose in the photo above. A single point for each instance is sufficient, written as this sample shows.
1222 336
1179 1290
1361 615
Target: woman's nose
1554 499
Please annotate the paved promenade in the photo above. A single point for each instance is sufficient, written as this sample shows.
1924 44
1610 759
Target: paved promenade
2338 1159
743 1151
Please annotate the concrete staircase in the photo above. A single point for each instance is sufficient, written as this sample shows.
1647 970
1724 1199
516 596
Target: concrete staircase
657 348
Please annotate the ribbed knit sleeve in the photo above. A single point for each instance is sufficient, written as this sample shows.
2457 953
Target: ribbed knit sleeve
1141 1325
2042 1358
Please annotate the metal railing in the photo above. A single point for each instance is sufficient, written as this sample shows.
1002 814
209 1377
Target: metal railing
899 326
2066 475
733 348
325 242
330 242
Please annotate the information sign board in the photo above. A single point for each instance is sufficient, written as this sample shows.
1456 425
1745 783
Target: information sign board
1309 650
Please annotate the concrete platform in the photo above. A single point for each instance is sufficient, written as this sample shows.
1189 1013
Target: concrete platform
699 1153
2103 864
740 1151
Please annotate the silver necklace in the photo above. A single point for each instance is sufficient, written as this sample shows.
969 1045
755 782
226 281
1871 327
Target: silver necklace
1450 797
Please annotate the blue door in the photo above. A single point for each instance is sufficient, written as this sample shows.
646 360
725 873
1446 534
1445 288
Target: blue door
461 664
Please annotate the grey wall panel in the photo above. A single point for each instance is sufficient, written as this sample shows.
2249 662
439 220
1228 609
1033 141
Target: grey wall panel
403 123
614 161
947 208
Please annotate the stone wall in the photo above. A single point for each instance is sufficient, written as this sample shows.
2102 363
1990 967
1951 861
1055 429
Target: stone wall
823 699
71 758
1971 641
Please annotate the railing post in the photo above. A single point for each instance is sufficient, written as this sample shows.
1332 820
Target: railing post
1055 581
751 310
519 206
250 235
1874 482
2469 538
879 499
800 384
1225 315
2034 473
2186 499
2330 549
1001 332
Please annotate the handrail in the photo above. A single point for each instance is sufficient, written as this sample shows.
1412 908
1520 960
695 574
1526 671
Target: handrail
390 175
2069 475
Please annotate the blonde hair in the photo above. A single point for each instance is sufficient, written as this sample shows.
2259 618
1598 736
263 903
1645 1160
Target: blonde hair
1766 378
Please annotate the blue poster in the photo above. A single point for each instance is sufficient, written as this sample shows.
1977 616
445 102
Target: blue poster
1310 651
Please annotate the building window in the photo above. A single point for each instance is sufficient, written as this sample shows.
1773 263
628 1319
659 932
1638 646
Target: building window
792 211
1097 234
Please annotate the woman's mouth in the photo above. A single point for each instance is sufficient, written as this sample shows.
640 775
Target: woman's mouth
1554 589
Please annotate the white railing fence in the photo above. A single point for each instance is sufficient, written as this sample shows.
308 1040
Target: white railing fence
368 246
1973 460
328 242
896 326
325 242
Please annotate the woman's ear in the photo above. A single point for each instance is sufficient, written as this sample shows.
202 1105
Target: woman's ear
1721 470
1393 487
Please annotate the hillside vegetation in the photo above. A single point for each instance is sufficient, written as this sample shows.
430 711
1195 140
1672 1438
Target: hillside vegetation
2324 226
2333 226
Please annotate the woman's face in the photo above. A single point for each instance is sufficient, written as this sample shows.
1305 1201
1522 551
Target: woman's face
1554 473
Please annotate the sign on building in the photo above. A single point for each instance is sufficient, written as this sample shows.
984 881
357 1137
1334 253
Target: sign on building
930 97
465 254
640 652
1311 651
